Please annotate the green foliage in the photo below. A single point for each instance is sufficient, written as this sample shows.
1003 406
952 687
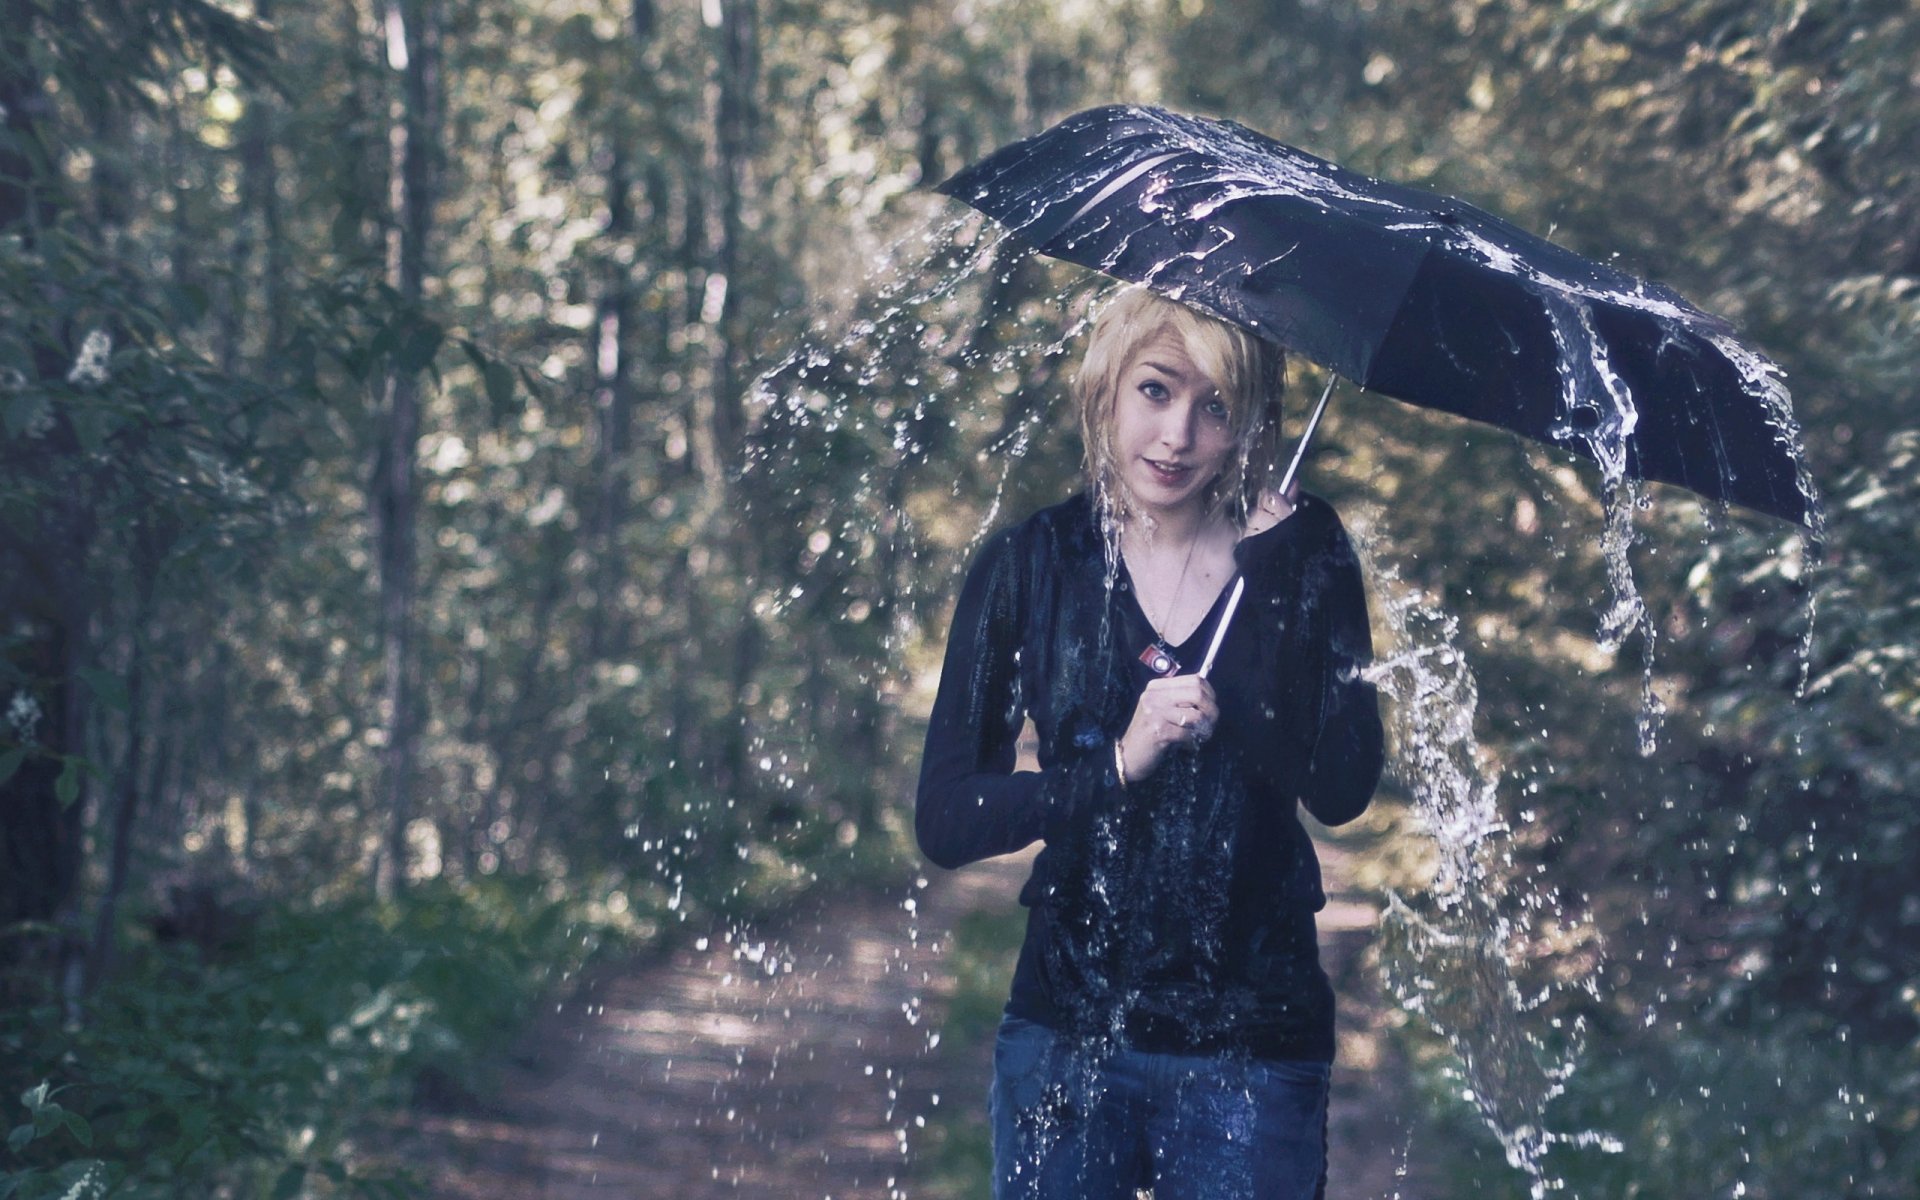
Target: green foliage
252 1067
695 485
1700 1109
46 1118
957 1158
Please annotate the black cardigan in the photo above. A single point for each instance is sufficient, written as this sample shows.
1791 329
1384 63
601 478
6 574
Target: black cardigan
1178 912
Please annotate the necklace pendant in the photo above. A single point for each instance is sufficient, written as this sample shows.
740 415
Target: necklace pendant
1159 659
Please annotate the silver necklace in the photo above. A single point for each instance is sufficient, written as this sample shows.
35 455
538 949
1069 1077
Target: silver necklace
1158 656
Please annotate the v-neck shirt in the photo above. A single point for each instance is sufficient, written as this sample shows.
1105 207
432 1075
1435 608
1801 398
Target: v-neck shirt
1178 908
1190 652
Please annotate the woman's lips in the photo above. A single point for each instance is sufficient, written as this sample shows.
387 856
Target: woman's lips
1168 474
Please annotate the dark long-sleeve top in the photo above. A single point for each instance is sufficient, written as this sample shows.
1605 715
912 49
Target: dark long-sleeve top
1175 912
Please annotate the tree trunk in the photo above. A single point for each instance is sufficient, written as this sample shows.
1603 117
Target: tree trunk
510 742
613 404
43 590
413 49
734 120
259 235
127 791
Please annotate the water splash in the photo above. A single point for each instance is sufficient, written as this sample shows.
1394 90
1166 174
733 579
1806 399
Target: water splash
1597 411
1764 380
1458 956
875 391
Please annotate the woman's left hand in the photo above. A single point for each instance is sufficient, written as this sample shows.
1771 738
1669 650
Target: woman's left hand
1176 711
1273 508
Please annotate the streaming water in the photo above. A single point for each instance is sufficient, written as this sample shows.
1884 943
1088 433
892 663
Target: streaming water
1458 956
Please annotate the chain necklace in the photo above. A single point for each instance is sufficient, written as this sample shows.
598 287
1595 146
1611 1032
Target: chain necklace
1158 656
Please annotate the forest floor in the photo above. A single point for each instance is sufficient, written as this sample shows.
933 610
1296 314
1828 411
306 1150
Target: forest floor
804 1063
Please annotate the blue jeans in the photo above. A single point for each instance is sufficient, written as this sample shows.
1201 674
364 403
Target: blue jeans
1074 1121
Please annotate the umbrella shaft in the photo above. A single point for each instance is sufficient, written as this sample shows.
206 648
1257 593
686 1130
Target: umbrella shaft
1313 423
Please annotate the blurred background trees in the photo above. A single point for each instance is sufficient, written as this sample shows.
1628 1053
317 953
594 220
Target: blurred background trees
531 443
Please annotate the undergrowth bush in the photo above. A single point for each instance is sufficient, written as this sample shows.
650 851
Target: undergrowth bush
245 1072
956 1159
1710 1111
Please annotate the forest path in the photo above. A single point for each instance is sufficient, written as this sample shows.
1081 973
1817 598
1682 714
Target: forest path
797 1064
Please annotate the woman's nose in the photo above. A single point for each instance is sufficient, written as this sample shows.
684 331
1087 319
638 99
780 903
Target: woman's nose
1176 426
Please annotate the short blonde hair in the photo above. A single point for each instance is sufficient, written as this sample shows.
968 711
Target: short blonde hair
1250 373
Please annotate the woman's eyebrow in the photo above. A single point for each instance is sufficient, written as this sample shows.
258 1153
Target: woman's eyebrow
1175 374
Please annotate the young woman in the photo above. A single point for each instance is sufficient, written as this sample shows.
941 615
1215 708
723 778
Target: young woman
1170 1026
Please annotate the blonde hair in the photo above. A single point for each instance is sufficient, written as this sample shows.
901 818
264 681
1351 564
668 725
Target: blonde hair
1249 372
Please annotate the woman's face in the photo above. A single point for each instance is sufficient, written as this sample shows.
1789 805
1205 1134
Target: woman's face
1171 434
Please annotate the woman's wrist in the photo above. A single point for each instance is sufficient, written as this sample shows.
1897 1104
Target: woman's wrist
1140 760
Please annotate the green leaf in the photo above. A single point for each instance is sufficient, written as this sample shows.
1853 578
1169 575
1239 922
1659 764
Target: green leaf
344 232
67 787
499 380
421 344
10 761
290 1182
24 411
380 348
168 1089
109 688
86 426
82 1179
78 1127
190 301
21 1135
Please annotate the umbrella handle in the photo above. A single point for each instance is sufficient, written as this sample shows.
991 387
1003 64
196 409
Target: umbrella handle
1313 423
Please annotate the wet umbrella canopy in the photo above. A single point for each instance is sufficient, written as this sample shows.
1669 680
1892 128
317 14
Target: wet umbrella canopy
1408 293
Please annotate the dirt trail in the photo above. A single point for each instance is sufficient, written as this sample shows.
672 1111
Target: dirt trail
796 1066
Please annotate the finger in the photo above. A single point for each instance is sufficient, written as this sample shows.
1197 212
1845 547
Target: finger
1176 685
1170 688
1173 702
1189 710
1185 724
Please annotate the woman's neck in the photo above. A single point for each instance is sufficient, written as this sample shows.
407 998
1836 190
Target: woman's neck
1163 529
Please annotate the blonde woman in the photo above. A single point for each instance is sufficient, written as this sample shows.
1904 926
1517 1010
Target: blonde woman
1170 1026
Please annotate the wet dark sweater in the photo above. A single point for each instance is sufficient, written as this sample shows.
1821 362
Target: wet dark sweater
1176 912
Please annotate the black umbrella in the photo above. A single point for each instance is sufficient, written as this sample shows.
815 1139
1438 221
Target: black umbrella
1407 292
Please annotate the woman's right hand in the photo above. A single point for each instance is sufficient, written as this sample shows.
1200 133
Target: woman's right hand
1177 711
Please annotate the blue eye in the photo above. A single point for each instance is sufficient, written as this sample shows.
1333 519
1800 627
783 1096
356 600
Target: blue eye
1217 408
1153 389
